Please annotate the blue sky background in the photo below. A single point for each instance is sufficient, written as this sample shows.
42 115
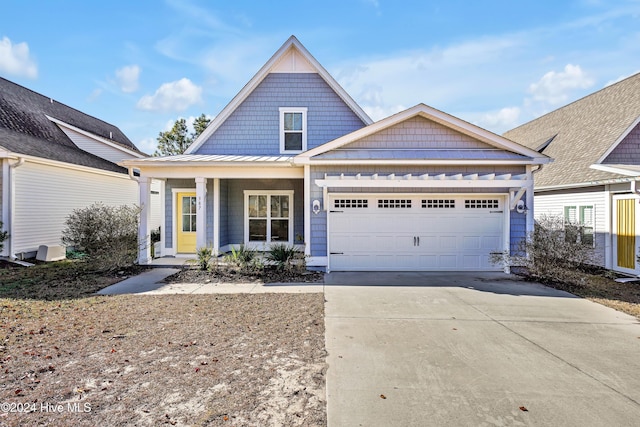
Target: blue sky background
142 64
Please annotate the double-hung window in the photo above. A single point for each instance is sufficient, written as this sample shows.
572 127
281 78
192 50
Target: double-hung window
293 129
269 217
579 223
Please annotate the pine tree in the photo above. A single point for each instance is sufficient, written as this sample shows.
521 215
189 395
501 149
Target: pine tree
177 140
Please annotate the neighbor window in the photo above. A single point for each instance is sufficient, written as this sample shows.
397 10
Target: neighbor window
269 217
579 222
293 129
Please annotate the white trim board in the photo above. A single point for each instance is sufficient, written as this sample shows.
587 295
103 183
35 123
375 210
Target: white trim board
95 137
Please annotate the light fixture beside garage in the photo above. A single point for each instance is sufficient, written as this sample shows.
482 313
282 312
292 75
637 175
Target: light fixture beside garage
316 207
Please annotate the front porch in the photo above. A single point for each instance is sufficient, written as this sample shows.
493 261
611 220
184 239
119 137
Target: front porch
254 207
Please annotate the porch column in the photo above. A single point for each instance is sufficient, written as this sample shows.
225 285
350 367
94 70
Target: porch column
201 212
144 239
216 215
307 210
529 204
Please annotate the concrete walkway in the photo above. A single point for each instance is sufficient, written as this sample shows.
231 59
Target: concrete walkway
422 349
150 283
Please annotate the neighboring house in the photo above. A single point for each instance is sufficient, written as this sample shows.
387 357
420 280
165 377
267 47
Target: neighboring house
54 159
592 183
293 159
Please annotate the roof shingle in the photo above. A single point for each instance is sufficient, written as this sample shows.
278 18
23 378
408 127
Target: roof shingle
27 130
584 130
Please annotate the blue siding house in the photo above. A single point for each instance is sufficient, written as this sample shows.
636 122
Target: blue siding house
294 159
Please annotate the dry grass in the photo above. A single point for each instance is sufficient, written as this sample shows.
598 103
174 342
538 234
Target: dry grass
57 281
164 360
603 289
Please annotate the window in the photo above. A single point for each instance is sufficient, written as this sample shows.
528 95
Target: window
438 204
188 213
351 203
293 129
394 203
481 204
579 224
269 217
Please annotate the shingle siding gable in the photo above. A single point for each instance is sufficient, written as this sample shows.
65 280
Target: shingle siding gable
419 133
628 151
253 128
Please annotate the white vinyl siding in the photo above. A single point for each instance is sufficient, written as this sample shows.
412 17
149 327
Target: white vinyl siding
554 204
96 147
156 211
45 195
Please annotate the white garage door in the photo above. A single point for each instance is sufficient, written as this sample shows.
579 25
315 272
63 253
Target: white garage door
391 233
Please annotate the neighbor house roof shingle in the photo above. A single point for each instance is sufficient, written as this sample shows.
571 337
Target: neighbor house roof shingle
582 133
27 130
21 143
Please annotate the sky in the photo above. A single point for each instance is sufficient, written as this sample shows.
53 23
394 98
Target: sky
141 65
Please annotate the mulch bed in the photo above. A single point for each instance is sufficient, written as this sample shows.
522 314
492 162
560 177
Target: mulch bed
231 274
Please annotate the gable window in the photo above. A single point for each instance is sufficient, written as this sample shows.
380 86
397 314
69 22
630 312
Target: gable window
579 223
268 217
293 129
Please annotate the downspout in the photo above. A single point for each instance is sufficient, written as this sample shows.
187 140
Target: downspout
131 175
12 204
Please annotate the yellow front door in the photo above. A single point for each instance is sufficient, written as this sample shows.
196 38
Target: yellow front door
186 213
626 233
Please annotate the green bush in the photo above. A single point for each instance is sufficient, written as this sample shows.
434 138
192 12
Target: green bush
243 257
4 235
282 255
107 234
205 254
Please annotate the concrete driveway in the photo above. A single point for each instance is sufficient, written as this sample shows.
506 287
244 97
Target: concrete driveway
427 349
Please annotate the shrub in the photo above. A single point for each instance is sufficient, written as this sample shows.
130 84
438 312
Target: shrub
3 236
244 257
550 253
204 254
282 255
107 234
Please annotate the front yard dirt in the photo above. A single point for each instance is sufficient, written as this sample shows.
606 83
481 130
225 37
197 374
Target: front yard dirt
220 360
603 289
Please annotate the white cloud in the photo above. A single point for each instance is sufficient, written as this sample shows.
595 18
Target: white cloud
441 77
620 78
15 59
127 78
501 120
173 96
95 94
555 87
147 145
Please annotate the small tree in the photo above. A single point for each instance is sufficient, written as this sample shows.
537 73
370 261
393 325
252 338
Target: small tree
177 140
551 253
107 234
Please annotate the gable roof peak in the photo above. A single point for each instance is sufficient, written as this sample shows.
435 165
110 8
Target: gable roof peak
273 62
437 116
